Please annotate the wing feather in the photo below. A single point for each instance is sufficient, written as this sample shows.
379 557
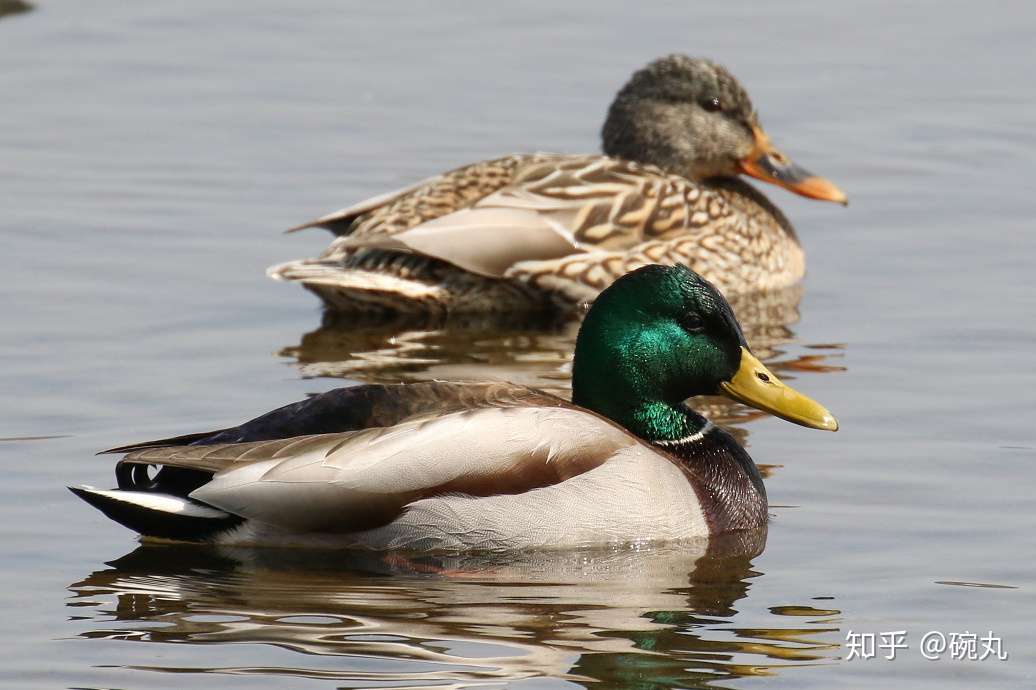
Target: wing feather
486 241
224 456
554 208
360 407
425 200
357 480
340 221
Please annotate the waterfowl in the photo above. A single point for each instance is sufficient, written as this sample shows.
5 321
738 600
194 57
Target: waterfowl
533 348
441 466
535 231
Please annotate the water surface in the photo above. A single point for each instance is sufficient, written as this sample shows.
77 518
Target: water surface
151 154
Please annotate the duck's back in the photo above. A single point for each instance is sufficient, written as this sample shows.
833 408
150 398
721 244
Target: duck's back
429 466
542 230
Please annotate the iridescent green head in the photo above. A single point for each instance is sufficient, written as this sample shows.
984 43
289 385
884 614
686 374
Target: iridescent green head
662 334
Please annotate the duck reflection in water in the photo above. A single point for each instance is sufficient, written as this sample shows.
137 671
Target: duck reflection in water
532 349
669 616
11 7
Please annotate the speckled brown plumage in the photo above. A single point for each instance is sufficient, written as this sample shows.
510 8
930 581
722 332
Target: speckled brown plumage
623 214
537 231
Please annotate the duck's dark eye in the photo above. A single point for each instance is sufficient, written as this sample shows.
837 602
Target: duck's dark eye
713 105
692 323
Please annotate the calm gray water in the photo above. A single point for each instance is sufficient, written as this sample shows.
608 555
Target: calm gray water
150 153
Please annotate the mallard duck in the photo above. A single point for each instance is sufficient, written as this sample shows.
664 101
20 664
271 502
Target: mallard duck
535 231
534 348
490 466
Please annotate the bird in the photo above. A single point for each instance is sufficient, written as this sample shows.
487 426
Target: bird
548 232
469 467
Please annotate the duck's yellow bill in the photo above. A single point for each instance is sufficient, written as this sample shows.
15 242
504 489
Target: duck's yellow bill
755 385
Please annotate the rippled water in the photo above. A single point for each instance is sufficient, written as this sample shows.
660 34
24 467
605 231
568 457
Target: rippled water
149 156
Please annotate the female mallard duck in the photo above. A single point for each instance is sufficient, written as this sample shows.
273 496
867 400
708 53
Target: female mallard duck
450 467
531 231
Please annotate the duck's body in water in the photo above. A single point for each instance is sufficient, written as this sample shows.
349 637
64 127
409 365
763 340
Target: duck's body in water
455 467
547 231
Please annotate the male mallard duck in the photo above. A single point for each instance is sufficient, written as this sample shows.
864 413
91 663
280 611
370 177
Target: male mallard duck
531 231
451 467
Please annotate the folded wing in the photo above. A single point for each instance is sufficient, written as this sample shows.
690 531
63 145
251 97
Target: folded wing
360 407
356 480
489 217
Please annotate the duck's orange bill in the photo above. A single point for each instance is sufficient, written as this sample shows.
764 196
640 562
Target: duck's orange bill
770 165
